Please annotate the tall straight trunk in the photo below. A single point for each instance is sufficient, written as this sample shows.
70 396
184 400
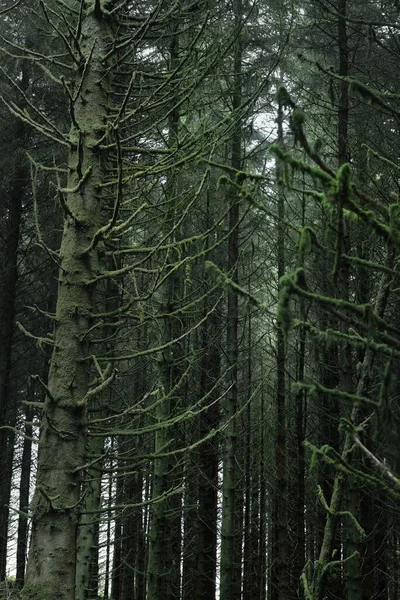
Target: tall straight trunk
108 535
208 456
8 409
299 558
262 553
238 522
87 576
88 532
51 568
132 493
157 570
132 543
300 410
247 541
251 543
230 431
25 479
337 372
280 576
190 547
116 573
208 471
346 378
164 567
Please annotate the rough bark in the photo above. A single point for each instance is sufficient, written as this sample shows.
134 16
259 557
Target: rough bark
51 569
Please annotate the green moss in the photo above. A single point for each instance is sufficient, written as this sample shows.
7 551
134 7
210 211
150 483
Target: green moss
283 97
307 237
223 180
343 178
394 215
315 172
37 592
283 311
298 118
240 177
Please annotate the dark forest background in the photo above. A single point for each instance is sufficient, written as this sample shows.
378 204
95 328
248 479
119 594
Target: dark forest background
199 299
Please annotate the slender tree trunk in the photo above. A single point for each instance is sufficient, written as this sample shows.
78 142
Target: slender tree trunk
210 367
300 399
190 550
208 479
248 549
230 432
251 576
22 540
280 543
262 569
166 515
132 493
87 576
299 557
116 575
141 549
107 577
346 378
239 519
51 569
8 410
157 570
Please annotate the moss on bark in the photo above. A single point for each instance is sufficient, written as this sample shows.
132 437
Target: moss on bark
58 495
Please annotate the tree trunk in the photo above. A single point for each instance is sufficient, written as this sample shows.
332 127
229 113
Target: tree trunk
22 540
116 575
51 569
229 452
280 542
8 409
166 515
208 478
262 566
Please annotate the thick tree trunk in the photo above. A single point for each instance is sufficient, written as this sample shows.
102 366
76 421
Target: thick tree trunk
51 569
88 532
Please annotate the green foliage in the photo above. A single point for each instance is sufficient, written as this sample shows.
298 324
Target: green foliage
283 97
317 174
36 592
297 120
394 217
343 179
283 310
307 237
